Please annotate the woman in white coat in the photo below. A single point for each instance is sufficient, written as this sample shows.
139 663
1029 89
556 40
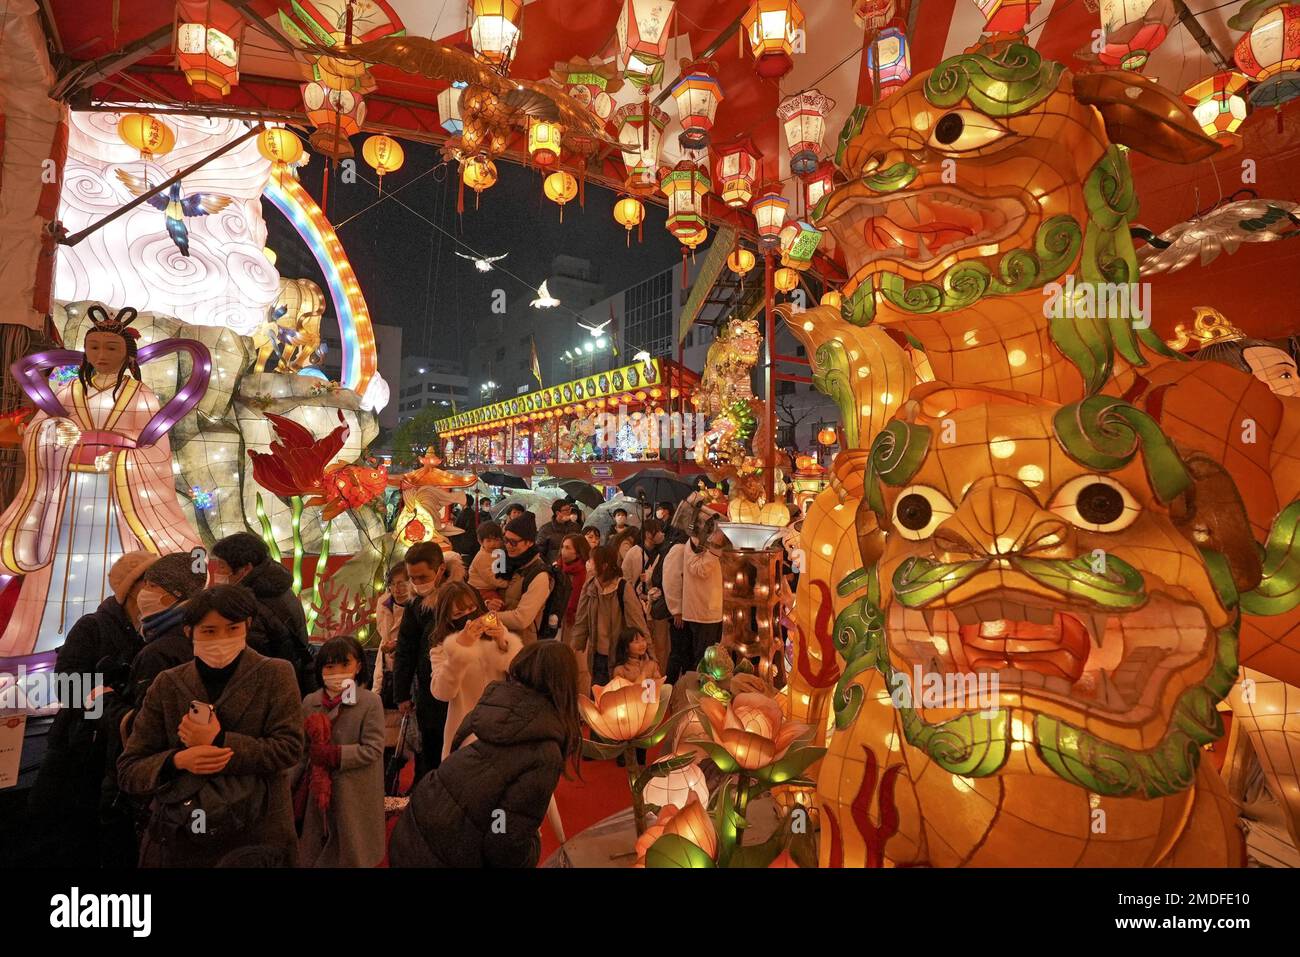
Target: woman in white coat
470 650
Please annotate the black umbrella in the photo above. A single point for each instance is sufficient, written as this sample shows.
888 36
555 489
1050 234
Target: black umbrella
656 485
503 480
583 492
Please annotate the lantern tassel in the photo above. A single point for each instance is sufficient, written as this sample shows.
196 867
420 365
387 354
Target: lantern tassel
325 188
460 197
684 283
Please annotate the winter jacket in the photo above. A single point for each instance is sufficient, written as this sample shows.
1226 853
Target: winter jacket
483 806
279 629
551 536
388 621
352 832
461 673
701 586
602 615
261 722
525 600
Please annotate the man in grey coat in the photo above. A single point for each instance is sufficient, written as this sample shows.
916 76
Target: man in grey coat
213 741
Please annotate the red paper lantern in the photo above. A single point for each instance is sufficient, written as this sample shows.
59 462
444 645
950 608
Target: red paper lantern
208 37
1006 16
1269 54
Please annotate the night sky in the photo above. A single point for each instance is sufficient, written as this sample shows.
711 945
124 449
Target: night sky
409 271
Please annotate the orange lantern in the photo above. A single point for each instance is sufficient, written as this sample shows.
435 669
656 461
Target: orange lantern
336 114
208 37
544 142
560 187
685 185
741 261
737 169
1269 53
785 279
773 27
769 214
384 154
494 29
1218 106
629 212
832 298
643 35
640 128
828 436
693 240
150 135
478 173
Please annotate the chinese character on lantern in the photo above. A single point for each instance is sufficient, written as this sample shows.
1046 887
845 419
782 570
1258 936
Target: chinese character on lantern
697 93
804 118
1131 29
208 36
640 133
685 185
643 39
774 28
895 59
737 170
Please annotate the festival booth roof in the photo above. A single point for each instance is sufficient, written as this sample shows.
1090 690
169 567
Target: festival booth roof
124 55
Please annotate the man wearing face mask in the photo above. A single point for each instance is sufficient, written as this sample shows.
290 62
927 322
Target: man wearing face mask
520 608
412 673
229 713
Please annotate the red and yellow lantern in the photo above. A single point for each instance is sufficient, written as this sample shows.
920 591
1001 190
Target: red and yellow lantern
643 34
1269 54
629 212
737 170
818 184
775 28
697 93
685 185
208 37
148 134
1218 106
544 141
640 128
384 154
1131 29
785 279
336 114
769 215
741 261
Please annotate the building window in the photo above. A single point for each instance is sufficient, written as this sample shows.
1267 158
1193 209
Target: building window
784 388
648 315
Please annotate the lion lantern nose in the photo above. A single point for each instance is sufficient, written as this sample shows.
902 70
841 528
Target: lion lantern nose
999 517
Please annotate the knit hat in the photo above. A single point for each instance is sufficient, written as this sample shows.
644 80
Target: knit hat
175 573
126 571
523 526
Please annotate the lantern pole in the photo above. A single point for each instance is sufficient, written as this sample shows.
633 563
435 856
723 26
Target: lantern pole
145 197
770 389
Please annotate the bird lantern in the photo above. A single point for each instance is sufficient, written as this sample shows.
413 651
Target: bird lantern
494 29
384 155
817 185
737 170
148 134
803 116
769 215
629 212
336 114
1006 16
785 279
697 93
1131 29
774 28
449 108
478 173
1269 54
741 261
560 187
640 128
889 49
208 37
544 141
798 242
591 84
685 185
643 36
1217 105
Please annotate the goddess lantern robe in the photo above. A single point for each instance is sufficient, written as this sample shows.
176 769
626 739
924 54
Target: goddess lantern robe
81 507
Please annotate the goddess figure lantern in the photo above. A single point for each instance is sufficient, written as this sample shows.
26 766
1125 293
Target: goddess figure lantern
336 114
1269 53
736 170
890 50
1006 16
544 141
1218 106
148 134
449 108
774 27
769 215
208 36
1132 29
591 84
494 29
798 244
804 118
640 129
643 39
697 93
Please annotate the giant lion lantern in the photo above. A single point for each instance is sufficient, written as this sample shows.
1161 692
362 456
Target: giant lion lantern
1034 581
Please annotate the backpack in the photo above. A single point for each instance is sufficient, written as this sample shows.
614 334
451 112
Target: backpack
557 602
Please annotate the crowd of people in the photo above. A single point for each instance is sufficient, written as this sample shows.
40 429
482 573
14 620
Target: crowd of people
216 736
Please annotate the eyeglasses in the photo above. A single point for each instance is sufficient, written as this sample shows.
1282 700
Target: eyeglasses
511 540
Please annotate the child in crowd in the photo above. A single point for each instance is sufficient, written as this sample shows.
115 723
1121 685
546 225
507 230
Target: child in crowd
340 794
592 534
634 660
482 570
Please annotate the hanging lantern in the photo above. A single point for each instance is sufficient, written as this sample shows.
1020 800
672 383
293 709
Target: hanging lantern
640 131
279 144
804 118
1218 107
384 154
798 243
1131 29
832 299
769 215
591 84
895 59
785 279
741 261
737 170
827 435
1006 16
544 141
1269 53
208 36
336 114
817 185
643 36
698 94
629 212
685 185
494 29
449 108
774 26
148 134
478 173
872 15
560 187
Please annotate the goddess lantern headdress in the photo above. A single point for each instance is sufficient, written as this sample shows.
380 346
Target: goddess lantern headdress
119 324
1210 326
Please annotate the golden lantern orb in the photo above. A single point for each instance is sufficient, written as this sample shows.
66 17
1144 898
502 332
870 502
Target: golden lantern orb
740 261
560 187
832 298
785 279
629 212
695 238
828 436
384 154
280 145
148 134
479 173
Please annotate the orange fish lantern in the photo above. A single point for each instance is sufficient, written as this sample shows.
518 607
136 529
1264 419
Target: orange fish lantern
349 486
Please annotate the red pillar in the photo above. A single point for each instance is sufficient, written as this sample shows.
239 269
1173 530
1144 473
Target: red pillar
770 389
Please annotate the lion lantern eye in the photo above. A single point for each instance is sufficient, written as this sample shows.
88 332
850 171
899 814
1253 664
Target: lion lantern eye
919 510
1097 503
959 131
